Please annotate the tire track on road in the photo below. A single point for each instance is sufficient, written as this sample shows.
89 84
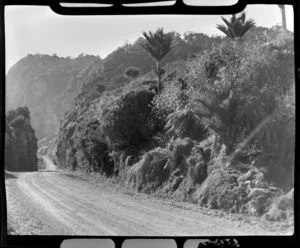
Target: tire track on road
58 204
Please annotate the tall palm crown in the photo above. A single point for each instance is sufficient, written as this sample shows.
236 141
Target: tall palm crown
237 26
158 45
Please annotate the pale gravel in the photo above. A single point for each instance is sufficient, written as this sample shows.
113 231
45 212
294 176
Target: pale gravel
51 202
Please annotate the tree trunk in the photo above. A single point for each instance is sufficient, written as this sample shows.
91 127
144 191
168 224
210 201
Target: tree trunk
283 16
158 72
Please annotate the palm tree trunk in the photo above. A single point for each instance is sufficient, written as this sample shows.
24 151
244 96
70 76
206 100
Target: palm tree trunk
283 16
158 72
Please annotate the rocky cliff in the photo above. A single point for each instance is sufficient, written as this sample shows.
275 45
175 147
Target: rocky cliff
47 85
20 141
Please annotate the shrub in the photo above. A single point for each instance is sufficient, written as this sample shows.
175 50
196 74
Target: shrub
91 149
221 190
132 72
167 101
126 121
185 123
197 165
282 208
149 173
180 149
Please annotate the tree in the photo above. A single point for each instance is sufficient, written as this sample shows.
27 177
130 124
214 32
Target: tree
132 73
237 26
158 45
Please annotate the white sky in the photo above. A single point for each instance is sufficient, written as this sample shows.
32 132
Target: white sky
37 29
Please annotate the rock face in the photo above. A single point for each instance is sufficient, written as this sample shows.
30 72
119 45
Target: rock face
48 146
20 142
48 85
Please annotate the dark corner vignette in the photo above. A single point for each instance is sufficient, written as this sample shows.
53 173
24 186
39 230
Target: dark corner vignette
3 213
178 8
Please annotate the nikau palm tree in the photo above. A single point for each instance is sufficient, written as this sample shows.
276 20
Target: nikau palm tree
158 45
237 26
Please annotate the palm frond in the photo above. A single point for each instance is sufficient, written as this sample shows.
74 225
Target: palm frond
223 29
237 26
242 17
158 44
228 23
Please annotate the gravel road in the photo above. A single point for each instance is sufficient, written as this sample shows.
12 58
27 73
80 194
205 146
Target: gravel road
51 202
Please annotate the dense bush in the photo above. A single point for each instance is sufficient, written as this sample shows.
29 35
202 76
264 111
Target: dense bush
149 173
221 190
126 120
82 146
221 115
277 142
238 96
91 143
185 123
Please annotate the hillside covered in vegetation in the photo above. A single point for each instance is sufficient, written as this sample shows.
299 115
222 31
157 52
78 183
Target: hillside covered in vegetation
209 120
48 84
219 131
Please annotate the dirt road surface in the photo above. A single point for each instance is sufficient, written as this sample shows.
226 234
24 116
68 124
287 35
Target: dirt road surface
51 202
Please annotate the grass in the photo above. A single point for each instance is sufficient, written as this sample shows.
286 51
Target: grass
282 208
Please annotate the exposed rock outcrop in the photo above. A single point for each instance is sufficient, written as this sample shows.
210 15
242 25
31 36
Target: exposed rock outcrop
20 142
48 85
48 146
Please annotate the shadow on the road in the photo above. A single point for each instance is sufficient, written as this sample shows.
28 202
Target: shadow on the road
9 175
45 170
75 177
